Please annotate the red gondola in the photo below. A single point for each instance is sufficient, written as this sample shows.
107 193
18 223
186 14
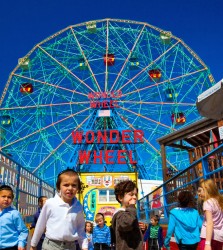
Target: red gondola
155 74
109 59
26 88
178 118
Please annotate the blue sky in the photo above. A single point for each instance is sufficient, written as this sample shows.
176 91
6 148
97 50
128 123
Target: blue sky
25 23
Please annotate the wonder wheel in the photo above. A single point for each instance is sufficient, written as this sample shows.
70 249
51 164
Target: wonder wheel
101 75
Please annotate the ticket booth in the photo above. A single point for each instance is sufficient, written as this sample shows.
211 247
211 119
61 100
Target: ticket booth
98 193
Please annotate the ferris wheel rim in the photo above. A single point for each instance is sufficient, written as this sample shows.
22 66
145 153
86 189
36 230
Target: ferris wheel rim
97 87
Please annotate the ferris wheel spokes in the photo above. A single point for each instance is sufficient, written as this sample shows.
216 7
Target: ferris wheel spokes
127 59
86 61
145 140
50 84
44 128
159 83
69 71
44 105
107 50
58 146
144 69
144 117
158 103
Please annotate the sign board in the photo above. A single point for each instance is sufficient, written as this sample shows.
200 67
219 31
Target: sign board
220 129
104 113
209 91
98 195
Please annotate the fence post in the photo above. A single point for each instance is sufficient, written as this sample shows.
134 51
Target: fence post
18 185
147 208
40 191
205 167
165 201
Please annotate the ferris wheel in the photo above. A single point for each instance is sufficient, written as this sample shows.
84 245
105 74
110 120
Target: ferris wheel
151 77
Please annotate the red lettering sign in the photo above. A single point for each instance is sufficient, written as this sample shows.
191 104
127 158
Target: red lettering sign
104 95
107 156
120 156
126 136
77 137
84 156
108 136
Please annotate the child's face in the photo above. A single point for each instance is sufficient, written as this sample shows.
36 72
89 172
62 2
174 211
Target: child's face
129 198
68 187
88 227
100 221
153 222
6 198
201 193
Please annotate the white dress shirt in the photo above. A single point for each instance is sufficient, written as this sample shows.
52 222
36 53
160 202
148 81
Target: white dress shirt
61 221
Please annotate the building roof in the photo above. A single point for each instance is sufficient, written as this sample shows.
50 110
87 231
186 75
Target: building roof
195 134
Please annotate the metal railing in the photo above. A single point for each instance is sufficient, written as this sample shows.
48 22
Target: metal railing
26 186
164 198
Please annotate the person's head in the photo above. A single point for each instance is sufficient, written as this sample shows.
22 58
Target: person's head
126 193
208 189
88 227
68 185
41 200
6 196
154 219
100 219
199 193
186 199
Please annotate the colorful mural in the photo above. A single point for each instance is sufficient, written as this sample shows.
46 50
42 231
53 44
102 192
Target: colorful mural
157 200
98 194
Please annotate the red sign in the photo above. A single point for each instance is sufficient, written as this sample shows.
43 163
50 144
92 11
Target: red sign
112 94
108 137
107 156
104 104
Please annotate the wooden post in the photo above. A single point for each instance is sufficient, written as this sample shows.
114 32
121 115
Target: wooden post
164 167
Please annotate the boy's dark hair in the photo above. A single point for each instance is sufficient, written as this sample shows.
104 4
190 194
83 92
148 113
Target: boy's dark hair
186 199
71 172
41 197
124 187
155 217
8 188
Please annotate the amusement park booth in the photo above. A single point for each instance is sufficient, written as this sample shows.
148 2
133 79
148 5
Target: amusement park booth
98 196
197 139
202 144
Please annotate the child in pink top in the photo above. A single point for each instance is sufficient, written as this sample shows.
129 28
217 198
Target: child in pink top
212 228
